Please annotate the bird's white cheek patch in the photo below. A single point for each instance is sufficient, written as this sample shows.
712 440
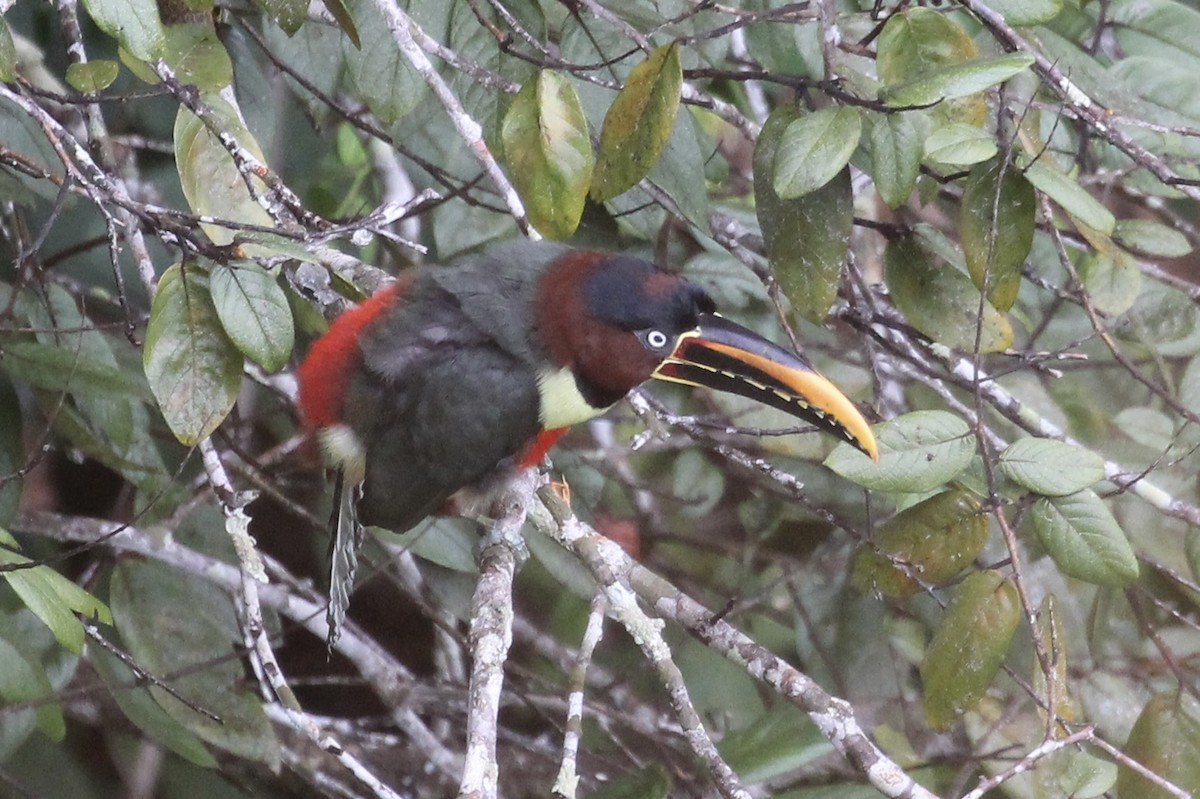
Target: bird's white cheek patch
344 450
561 404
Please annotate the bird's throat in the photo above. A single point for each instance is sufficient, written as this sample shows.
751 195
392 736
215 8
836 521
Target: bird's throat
561 403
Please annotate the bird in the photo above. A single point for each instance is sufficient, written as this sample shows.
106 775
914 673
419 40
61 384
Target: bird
454 376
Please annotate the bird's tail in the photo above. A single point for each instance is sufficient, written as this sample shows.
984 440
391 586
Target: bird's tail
347 538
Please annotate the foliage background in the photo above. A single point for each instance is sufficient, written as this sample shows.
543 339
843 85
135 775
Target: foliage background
978 218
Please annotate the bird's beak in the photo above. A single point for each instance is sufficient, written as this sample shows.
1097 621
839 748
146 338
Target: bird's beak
727 357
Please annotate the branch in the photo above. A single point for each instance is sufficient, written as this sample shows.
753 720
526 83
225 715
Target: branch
834 717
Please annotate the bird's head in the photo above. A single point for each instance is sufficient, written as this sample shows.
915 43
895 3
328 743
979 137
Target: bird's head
611 322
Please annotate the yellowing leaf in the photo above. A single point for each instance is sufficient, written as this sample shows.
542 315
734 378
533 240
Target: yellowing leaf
998 218
935 540
549 153
210 179
638 123
970 644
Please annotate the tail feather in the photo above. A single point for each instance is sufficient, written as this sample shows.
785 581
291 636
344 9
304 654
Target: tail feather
347 539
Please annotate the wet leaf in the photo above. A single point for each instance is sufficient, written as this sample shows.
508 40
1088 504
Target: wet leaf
1084 539
638 123
806 237
935 539
918 452
813 149
971 642
193 368
549 153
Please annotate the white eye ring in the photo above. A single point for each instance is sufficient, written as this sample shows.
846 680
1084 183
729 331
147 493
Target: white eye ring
656 339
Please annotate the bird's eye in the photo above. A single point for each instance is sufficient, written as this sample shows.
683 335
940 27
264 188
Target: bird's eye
656 339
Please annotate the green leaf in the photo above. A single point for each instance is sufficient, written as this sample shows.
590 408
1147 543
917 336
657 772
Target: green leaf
1149 427
341 15
549 153
1074 773
254 312
133 23
936 539
969 645
638 123
651 782
197 56
288 14
920 41
1050 467
1084 539
959 144
210 179
61 369
1053 634
1165 320
1112 279
939 300
918 452
1166 739
8 54
1151 238
92 77
999 211
12 450
815 148
379 73
139 707
193 368
1027 12
896 152
778 742
178 625
957 80
1070 196
807 237
23 680
53 598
